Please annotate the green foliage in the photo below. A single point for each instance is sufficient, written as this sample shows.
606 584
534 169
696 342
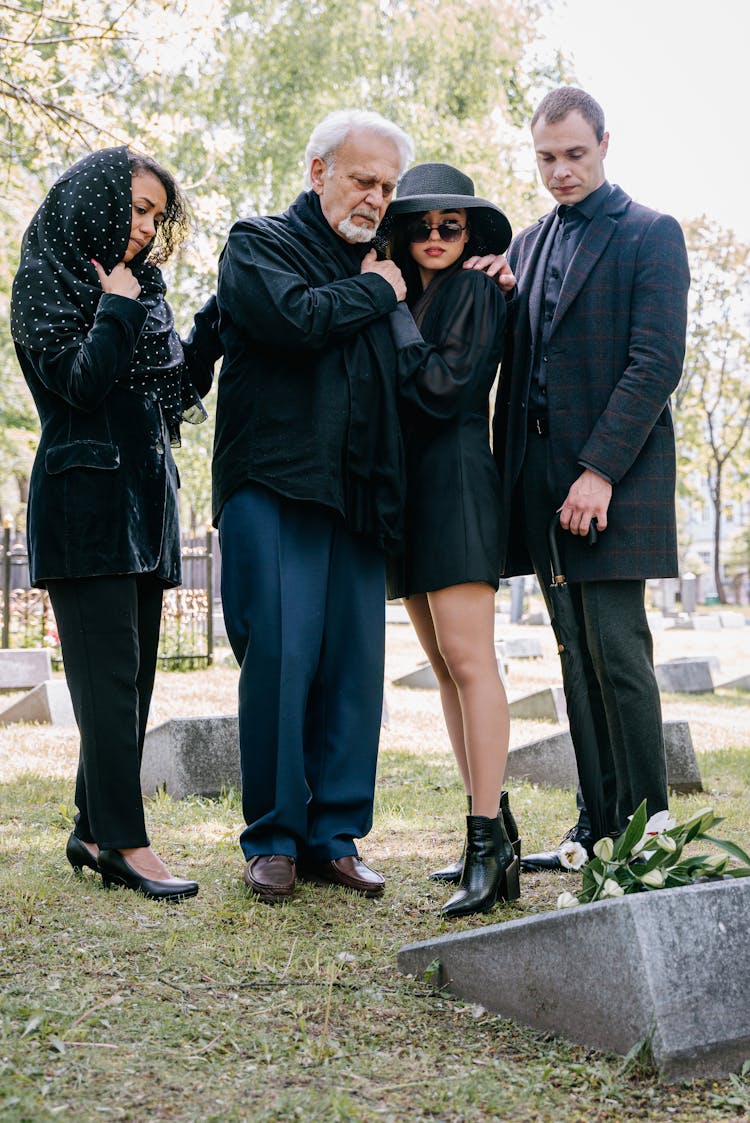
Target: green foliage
226 93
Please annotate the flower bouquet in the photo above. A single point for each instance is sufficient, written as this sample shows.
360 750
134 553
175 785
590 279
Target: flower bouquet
649 855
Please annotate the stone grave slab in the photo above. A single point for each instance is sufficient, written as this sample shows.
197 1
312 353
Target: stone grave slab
542 705
48 703
23 668
685 676
673 964
741 683
551 763
521 647
423 677
540 616
732 619
192 756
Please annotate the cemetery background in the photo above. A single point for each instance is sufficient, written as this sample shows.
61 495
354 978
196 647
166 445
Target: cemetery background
228 1009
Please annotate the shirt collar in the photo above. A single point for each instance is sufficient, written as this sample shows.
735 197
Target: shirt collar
587 207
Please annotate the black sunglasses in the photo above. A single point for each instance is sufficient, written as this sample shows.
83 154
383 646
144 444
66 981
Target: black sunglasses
448 230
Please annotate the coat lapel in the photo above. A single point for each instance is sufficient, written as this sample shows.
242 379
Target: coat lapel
593 244
536 266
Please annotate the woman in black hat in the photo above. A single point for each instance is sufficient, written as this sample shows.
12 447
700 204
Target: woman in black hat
451 340
111 382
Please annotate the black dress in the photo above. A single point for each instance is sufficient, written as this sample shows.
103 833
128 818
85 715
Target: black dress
453 489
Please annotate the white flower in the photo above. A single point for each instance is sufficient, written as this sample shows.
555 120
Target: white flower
654 879
566 900
716 863
604 848
664 842
611 888
657 824
660 822
572 856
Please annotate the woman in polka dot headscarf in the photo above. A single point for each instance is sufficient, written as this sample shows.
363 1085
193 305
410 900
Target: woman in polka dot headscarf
111 381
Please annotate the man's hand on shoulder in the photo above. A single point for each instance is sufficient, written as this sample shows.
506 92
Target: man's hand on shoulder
588 499
494 265
388 270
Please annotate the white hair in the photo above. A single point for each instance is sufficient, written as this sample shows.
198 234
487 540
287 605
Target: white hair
328 136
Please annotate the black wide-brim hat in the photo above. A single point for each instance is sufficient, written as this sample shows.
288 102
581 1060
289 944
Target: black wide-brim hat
440 187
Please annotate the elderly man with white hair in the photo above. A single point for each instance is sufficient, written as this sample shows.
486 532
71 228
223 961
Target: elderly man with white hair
308 497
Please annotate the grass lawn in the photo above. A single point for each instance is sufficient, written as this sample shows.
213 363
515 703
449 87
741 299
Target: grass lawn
117 1008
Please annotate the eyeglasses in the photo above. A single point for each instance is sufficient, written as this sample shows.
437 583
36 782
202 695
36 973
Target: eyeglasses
448 230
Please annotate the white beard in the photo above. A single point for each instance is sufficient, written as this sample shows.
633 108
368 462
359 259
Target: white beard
354 233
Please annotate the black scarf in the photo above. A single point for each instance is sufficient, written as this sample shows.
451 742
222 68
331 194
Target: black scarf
374 471
56 291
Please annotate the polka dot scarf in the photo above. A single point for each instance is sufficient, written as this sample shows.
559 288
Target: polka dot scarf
56 291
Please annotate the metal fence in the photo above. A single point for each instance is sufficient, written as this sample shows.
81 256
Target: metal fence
187 636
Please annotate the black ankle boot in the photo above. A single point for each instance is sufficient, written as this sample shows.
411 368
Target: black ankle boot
509 822
453 872
490 869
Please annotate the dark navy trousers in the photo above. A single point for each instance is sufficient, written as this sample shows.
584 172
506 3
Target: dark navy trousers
304 606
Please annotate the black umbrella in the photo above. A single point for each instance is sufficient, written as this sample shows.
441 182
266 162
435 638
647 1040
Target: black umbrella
580 715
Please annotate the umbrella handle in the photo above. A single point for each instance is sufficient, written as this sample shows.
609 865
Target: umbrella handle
558 577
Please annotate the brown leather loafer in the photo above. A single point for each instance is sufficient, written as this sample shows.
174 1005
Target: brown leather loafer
350 872
271 877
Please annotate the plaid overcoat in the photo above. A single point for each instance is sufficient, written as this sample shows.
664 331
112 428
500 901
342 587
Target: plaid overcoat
615 355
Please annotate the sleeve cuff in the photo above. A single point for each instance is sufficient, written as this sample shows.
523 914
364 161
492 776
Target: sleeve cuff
123 308
597 471
405 331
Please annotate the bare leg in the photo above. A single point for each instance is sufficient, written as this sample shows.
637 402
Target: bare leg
464 625
145 862
421 617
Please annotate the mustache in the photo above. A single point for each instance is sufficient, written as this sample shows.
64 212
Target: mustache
365 212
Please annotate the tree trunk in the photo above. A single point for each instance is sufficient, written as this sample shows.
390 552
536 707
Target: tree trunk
716 489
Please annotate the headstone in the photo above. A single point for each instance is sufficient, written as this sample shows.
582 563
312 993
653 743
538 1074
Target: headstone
517 596
551 762
536 618
707 623
192 756
683 774
732 619
48 703
396 614
22 668
684 676
521 647
424 678
672 966
543 705
689 592
741 683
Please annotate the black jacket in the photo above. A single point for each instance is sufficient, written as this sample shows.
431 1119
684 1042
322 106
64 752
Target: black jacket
103 490
307 395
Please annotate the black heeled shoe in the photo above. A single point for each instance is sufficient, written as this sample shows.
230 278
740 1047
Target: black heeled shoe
452 873
116 871
490 870
79 855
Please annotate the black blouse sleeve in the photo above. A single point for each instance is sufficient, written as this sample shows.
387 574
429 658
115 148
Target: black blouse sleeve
467 329
84 375
203 346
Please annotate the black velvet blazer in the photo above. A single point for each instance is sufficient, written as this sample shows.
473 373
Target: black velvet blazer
103 490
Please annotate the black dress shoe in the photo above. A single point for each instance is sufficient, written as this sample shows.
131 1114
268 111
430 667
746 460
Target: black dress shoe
79 855
550 859
350 871
116 871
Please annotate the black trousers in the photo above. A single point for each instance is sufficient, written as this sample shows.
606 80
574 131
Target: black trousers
617 656
109 633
